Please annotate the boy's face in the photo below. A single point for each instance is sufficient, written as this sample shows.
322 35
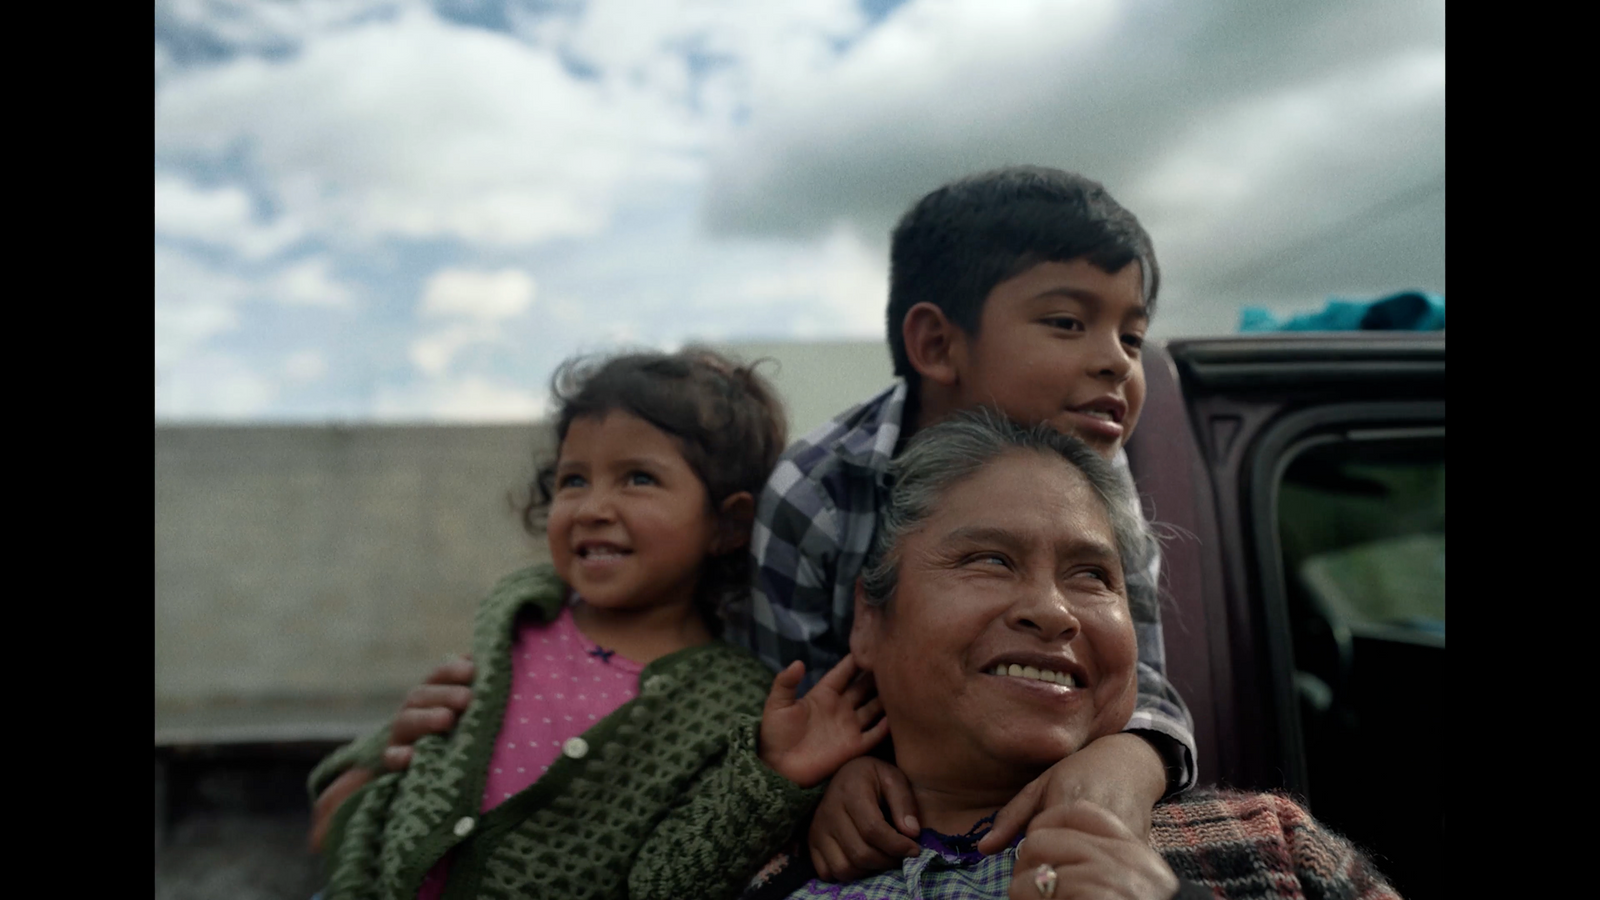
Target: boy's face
1060 343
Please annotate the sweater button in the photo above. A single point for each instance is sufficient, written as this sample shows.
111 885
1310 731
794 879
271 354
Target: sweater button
577 748
464 826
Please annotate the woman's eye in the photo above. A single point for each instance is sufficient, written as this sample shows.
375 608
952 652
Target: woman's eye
570 481
990 559
1100 575
640 478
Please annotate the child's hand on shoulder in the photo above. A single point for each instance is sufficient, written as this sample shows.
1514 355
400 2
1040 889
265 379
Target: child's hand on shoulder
849 836
431 708
1119 773
806 740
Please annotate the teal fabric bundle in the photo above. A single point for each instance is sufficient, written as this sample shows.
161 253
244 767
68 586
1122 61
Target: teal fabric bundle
1408 311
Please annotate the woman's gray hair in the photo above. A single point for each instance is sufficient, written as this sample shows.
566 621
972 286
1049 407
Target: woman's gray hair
948 453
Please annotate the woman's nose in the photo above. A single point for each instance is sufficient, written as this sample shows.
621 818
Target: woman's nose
1047 612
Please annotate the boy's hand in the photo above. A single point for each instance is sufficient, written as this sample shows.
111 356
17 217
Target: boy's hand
849 837
1121 773
430 708
808 739
1081 851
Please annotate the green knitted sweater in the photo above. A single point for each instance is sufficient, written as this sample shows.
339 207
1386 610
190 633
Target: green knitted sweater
670 799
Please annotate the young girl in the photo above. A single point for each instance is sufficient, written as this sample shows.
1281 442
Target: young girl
607 745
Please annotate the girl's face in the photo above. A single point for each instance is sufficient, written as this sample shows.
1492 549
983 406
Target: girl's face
630 524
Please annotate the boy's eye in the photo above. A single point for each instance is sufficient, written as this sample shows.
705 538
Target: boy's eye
1133 341
1066 323
634 479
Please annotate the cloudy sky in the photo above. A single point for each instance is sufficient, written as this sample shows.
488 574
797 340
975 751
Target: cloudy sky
384 210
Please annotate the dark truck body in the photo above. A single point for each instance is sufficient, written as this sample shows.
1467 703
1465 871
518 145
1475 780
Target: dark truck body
1300 479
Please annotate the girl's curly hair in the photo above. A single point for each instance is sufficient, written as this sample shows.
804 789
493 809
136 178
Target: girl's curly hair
728 420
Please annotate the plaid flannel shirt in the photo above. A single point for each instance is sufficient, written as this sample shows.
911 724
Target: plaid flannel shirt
936 874
1222 845
813 529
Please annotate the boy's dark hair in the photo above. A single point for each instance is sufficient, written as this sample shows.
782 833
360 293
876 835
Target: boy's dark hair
958 242
729 422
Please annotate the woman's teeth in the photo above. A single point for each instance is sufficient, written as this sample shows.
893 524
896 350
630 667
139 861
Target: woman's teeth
1016 671
1099 414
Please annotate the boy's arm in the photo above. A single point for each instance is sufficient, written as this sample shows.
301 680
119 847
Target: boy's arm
795 546
1161 718
737 814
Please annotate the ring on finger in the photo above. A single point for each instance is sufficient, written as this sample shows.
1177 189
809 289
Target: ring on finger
1044 878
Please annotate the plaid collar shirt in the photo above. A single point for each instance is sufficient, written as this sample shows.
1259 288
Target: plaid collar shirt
938 873
813 528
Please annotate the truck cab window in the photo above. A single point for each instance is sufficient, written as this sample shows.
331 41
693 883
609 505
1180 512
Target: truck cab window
1361 527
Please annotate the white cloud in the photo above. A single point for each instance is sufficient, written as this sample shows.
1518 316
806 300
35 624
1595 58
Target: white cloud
305 367
212 386
943 88
220 216
255 25
1286 165
566 310
939 88
1241 137
433 353
478 302
464 399
839 282
396 143
419 128
752 46
484 296
193 303
309 283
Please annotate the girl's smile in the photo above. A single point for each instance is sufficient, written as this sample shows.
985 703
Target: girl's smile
630 523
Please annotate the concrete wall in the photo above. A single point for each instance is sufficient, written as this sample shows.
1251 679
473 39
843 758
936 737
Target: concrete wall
821 379
306 577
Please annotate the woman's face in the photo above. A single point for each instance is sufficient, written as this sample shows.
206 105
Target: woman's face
1017 572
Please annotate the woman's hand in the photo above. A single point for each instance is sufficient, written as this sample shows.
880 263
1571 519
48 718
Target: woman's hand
431 708
1082 851
849 837
806 740
1120 773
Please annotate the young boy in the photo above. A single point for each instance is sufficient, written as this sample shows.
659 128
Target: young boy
1028 290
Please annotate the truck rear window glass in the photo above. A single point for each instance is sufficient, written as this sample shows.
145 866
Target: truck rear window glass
1362 530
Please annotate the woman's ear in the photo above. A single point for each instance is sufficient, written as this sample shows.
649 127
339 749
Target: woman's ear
935 346
734 519
865 629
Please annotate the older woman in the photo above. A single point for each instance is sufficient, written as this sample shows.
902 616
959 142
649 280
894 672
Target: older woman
994 616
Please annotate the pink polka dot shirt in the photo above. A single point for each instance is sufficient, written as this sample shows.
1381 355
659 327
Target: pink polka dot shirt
562 684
